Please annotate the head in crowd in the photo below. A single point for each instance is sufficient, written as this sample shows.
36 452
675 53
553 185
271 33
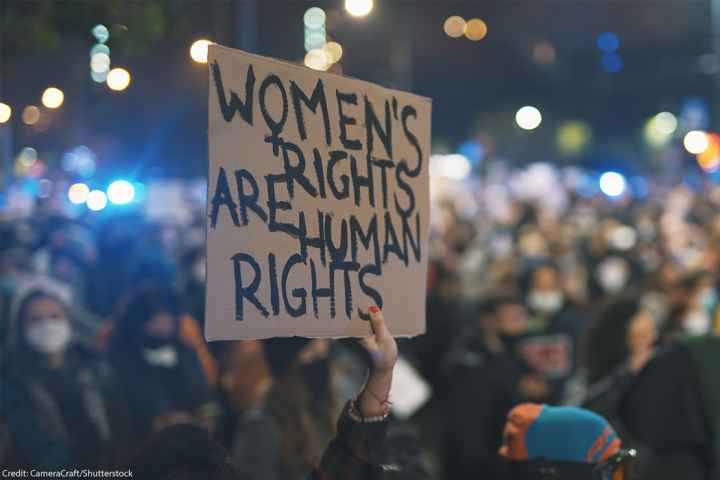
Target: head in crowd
545 294
149 326
622 335
541 442
183 452
41 325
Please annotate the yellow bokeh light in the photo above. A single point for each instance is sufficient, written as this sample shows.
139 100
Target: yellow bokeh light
317 59
359 8
475 30
334 51
454 26
53 97
696 142
5 112
199 50
78 193
118 79
31 115
572 137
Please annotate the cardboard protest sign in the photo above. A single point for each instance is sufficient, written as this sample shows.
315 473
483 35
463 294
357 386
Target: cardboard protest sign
318 202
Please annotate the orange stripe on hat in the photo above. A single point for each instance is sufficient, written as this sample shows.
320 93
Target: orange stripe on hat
519 420
602 443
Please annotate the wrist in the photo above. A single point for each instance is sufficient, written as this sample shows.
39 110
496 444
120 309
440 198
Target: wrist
374 400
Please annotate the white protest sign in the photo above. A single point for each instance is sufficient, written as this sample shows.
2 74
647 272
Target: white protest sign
318 202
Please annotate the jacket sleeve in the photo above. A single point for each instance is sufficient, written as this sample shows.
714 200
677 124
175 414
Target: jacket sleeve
356 451
34 443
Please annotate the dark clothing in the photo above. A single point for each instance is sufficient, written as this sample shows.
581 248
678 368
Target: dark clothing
355 453
73 415
483 391
606 395
664 411
153 391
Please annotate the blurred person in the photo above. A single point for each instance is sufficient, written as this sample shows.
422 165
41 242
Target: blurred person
694 301
445 321
185 452
541 442
486 380
618 345
672 411
549 345
298 415
698 319
61 402
162 376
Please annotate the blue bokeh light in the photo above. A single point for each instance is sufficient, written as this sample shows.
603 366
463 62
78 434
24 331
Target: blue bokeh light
611 63
608 42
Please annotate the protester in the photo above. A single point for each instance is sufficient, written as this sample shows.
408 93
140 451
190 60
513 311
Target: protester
61 402
619 344
162 376
671 411
185 452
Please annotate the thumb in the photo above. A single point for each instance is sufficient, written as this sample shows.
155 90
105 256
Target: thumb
377 322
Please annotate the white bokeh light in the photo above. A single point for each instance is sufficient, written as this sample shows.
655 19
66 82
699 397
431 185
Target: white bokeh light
528 118
96 200
612 184
359 8
78 193
696 142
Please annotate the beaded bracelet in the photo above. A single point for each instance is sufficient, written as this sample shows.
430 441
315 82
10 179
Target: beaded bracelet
354 413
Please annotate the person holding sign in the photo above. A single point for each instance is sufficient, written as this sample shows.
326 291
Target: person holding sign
187 452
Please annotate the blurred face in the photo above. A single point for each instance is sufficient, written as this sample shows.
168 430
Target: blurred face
641 334
47 328
512 319
546 279
160 325
44 309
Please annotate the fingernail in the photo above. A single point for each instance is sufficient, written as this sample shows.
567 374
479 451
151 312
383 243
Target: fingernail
374 309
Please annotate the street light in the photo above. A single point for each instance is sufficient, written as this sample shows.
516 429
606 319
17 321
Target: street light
199 50
528 118
5 112
53 97
359 8
696 142
118 79
30 115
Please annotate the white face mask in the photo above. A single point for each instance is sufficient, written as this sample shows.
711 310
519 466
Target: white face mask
612 275
165 356
49 336
546 302
697 322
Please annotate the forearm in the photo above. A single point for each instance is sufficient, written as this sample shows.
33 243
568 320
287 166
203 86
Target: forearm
374 400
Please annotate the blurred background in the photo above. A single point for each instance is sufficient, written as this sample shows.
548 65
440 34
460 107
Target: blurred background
574 251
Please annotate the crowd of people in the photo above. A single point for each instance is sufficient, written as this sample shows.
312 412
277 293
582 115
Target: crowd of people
537 292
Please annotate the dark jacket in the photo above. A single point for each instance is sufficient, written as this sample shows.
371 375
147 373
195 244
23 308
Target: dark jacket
483 389
356 452
155 391
72 416
665 410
